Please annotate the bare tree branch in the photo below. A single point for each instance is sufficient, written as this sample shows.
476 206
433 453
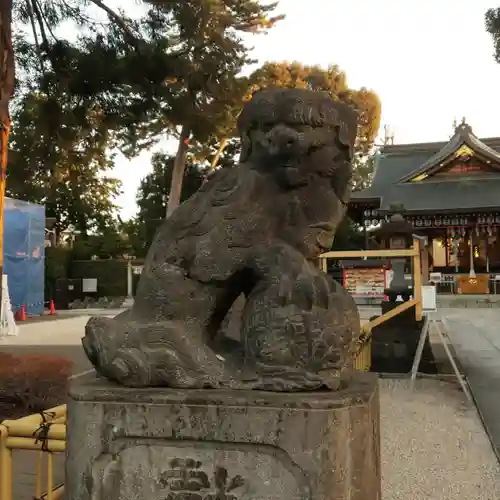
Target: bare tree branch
29 9
117 19
41 23
44 19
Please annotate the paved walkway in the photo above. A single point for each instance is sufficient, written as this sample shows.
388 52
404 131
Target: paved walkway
475 336
61 337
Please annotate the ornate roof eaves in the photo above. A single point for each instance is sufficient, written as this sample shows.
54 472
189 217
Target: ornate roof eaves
463 142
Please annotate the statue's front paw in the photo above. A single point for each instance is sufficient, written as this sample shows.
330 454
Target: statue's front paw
99 342
102 342
105 346
130 368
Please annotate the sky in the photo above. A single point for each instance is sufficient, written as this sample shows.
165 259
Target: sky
430 62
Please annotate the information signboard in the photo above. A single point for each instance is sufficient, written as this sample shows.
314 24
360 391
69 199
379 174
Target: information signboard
365 282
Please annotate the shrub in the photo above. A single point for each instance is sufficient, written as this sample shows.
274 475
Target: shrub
30 384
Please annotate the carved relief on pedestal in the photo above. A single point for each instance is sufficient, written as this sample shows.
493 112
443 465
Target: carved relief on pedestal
168 470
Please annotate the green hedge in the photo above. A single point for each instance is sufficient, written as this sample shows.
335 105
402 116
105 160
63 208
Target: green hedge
56 266
111 274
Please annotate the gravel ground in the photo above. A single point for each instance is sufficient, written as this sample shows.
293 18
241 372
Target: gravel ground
433 445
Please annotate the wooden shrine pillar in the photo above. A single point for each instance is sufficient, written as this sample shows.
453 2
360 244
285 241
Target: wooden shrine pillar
424 262
424 258
472 271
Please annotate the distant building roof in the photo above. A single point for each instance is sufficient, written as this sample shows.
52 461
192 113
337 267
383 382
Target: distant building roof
406 174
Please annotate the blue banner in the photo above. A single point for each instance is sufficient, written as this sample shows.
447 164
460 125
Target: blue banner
24 254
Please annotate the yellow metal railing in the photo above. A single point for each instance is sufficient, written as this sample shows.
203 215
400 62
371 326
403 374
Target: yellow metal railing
44 432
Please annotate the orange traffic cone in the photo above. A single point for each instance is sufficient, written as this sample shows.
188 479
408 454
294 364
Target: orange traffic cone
52 309
22 314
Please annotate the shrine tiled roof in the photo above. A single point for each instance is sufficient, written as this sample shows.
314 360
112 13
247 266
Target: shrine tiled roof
442 196
398 166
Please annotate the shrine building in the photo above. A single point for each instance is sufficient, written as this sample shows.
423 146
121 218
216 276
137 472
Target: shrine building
450 192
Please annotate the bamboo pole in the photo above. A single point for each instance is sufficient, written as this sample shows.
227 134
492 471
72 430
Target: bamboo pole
57 493
39 474
21 434
36 418
50 477
410 252
22 429
59 420
5 466
22 443
389 314
324 265
217 156
417 280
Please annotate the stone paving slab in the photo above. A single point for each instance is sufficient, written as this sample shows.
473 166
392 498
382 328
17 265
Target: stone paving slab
475 337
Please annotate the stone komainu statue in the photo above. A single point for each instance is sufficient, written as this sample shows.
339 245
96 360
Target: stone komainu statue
255 229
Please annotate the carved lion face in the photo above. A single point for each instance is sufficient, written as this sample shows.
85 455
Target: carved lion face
295 153
297 134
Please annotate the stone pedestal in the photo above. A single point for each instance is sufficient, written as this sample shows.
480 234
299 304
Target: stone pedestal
162 444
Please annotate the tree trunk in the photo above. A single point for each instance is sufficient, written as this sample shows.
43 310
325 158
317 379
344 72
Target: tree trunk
174 197
217 156
7 76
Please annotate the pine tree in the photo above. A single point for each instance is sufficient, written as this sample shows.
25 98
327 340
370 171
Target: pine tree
204 96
